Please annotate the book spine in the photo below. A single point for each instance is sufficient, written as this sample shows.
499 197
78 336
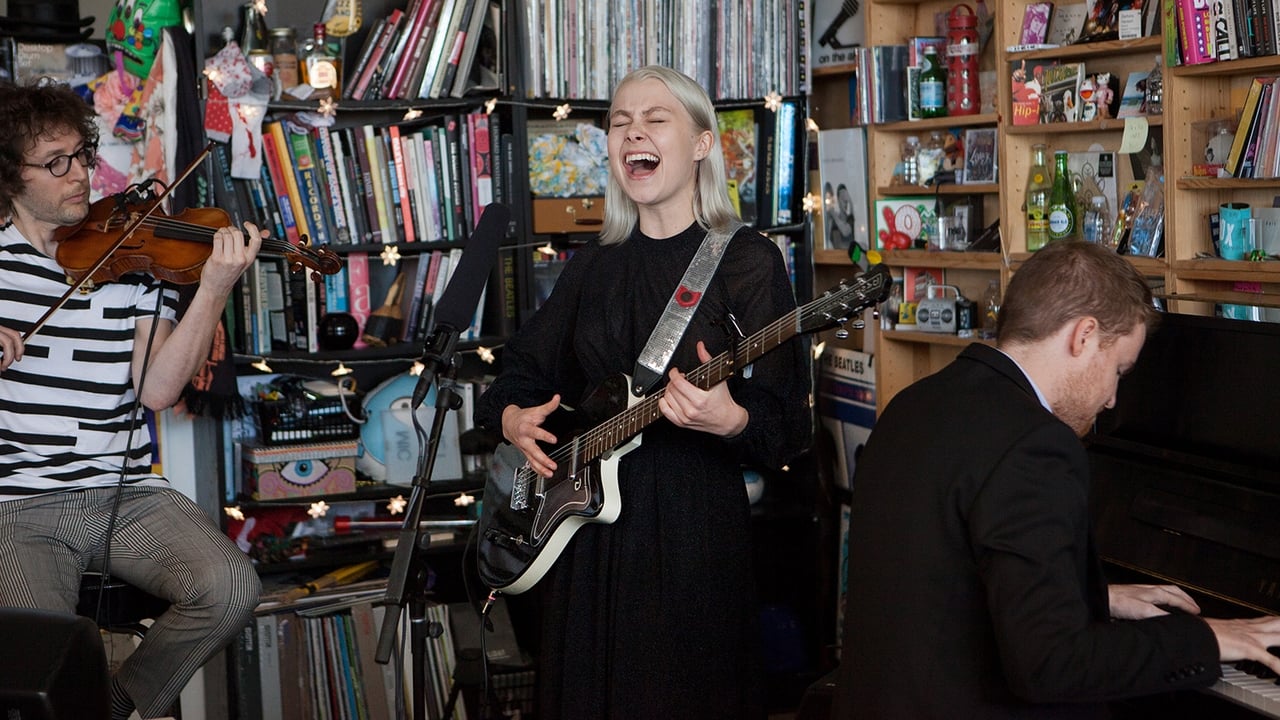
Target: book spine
273 169
411 34
482 151
444 86
359 303
359 148
785 166
333 186
385 38
289 178
401 181
374 179
304 167
435 57
363 63
431 168
1195 32
1224 30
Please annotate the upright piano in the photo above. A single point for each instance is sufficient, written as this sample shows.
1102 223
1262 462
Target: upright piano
1186 472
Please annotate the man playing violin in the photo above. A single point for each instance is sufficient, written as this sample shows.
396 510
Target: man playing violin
77 491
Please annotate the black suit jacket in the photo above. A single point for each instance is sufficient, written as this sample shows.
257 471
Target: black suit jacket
974 588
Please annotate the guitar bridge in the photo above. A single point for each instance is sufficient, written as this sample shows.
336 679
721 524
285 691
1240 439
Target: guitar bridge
520 489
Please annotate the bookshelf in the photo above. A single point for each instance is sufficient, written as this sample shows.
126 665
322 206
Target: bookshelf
519 106
1187 275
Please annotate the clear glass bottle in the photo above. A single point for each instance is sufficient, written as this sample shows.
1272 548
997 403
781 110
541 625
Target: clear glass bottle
1062 201
1153 96
933 85
1038 187
910 161
990 309
253 30
1096 225
322 65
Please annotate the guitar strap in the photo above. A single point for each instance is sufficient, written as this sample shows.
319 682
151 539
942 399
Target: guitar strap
657 353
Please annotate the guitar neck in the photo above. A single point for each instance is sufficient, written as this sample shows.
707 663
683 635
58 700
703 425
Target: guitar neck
832 308
635 419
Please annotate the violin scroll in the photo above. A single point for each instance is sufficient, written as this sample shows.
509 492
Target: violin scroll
320 260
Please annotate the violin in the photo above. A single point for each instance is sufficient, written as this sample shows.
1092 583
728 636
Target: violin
168 247
127 233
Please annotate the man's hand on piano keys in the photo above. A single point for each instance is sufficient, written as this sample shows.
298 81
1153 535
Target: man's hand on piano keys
1138 602
1248 639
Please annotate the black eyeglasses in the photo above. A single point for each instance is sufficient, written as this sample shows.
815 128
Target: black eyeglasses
61 165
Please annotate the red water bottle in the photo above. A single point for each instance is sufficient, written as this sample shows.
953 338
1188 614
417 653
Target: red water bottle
963 95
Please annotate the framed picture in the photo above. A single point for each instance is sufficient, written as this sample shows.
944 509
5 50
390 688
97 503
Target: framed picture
979 156
842 169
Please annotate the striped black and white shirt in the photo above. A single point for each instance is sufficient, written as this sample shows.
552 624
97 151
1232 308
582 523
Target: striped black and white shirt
65 408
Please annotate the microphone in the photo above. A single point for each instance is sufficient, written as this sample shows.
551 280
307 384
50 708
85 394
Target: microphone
458 303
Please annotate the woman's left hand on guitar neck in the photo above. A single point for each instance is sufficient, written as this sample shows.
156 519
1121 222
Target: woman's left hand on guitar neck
689 406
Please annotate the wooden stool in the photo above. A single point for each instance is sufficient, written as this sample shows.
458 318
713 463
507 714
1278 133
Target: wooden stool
124 607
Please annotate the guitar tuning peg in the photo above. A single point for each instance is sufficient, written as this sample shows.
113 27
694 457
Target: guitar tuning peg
859 325
842 333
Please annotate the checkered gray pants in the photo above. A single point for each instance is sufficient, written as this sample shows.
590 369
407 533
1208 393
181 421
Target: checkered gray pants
162 543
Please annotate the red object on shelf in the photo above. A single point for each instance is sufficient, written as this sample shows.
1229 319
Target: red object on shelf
963 94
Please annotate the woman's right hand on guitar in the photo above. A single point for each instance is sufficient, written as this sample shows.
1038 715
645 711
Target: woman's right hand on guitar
10 346
522 427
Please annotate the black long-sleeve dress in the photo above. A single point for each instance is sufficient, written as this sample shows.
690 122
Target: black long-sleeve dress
655 615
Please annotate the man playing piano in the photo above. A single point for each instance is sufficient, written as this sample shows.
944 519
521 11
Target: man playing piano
975 590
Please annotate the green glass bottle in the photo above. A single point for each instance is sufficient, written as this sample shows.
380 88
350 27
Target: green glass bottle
1038 188
1062 201
933 85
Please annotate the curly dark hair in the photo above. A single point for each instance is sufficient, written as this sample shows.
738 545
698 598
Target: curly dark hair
41 109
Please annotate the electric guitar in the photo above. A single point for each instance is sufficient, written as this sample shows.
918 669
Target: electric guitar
528 519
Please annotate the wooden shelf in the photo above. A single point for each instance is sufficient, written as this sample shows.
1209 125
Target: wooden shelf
1080 127
1265 64
942 123
1149 267
946 189
835 70
930 338
942 259
1208 183
1233 298
1228 270
1152 43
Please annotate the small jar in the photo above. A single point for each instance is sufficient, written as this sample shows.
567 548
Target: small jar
284 51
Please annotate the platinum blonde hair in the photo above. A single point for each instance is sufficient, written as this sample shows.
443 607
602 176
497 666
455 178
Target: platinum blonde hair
712 207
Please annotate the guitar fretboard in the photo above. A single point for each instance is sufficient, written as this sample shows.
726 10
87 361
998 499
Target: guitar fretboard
831 308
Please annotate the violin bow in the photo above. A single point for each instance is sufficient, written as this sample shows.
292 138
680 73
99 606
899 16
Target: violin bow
124 236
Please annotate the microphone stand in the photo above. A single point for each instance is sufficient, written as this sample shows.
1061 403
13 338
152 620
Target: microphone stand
408 582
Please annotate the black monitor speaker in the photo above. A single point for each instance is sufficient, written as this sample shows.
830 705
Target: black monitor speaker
52 667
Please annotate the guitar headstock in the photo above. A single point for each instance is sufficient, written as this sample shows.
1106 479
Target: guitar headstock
846 299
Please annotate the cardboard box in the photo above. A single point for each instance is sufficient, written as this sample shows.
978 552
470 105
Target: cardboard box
568 215
285 471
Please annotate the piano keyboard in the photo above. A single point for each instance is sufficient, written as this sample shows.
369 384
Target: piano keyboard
1259 694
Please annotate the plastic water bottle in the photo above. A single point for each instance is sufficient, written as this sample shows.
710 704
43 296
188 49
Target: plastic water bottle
1096 220
910 161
